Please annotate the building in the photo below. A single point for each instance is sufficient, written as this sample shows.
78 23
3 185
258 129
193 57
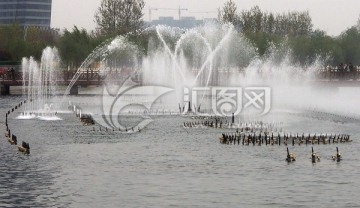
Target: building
184 22
26 12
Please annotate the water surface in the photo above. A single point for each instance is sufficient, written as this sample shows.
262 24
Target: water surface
169 166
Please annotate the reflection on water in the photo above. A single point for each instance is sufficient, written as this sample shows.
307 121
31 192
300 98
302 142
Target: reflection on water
166 165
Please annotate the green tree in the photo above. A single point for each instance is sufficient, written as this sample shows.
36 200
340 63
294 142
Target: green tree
118 17
349 42
18 42
228 14
74 46
37 39
12 42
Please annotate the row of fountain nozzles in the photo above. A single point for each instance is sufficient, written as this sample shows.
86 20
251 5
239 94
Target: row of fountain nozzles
25 147
291 157
87 119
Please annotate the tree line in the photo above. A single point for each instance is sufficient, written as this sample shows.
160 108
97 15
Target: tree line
17 42
264 30
294 29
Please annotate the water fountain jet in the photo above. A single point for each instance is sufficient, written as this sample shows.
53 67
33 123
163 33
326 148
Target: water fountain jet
39 85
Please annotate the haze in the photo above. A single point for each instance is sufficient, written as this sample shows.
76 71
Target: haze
332 16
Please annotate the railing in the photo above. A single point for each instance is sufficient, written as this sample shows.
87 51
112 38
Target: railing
88 76
14 77
338 73
7 74
92 76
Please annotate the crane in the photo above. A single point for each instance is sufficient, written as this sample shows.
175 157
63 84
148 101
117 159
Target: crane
156 9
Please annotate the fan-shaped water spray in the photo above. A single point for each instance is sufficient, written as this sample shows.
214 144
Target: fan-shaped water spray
211 55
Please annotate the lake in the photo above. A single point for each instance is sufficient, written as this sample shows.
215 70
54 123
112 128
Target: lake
166 165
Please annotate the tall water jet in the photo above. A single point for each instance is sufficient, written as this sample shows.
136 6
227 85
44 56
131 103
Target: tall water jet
39 85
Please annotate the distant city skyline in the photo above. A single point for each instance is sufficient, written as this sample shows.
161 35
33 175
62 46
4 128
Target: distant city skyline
332 16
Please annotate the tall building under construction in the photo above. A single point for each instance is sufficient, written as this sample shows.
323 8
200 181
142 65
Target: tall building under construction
26 12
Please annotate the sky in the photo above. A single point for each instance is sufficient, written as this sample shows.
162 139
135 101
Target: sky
332 16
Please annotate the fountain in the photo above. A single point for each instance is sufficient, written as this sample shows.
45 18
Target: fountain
39 86
193 61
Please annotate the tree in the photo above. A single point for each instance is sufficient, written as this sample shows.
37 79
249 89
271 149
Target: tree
74 46
116 17
12 42
17 42
349 43
228 13
37 39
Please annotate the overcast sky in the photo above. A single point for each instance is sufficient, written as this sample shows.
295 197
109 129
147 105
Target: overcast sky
333 16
